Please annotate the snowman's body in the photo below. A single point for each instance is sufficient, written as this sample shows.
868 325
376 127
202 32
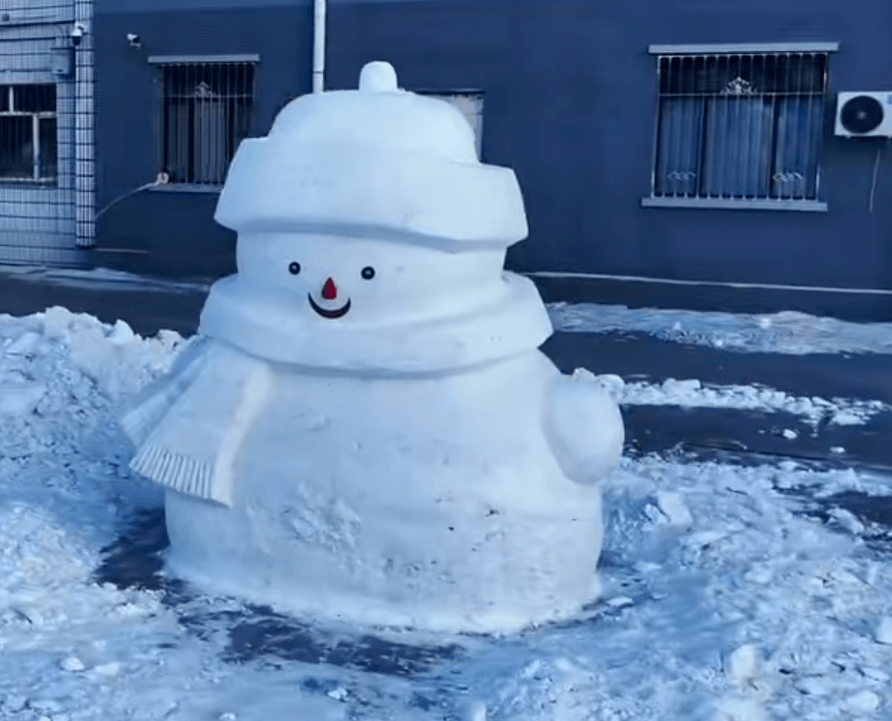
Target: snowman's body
402 501
367 429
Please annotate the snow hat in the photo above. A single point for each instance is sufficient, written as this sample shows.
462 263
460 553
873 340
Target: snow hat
375 162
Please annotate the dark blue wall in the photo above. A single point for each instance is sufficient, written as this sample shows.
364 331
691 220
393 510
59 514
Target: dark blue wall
569 104
162 230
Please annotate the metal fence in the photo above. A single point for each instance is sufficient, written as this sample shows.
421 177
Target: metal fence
46 132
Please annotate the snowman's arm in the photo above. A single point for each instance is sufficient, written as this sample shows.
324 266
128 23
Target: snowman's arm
584 427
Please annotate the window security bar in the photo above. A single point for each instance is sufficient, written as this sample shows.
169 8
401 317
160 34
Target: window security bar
739 127
205 112
28 144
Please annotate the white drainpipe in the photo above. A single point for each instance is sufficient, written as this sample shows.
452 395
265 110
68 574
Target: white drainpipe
318 45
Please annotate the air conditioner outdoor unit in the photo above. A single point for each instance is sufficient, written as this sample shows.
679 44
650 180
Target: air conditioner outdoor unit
864 114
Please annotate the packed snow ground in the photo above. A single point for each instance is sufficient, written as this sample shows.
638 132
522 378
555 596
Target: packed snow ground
724 597
788 332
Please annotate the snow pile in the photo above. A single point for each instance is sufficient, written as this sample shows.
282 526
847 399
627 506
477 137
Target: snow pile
787 332
803 603
72 649
721 602
693 394
61 376
64 485
46 579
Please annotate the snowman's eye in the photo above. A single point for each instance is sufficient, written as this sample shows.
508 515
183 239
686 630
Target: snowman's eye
294 268
368 272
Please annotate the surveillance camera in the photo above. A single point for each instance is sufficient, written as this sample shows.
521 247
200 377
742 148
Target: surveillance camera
133 39
77 33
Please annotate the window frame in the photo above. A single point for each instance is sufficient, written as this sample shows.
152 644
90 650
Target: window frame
159 63
9 111
659 52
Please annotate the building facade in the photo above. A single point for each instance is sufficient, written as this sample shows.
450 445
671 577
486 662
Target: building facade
680 152
47 187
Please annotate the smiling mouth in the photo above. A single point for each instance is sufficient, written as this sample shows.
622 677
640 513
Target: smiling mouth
336 313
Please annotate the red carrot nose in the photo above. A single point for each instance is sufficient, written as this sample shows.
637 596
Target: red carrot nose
329 291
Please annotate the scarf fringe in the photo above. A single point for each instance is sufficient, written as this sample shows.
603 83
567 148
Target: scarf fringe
178 472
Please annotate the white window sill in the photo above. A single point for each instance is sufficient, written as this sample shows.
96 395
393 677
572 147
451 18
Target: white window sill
735 204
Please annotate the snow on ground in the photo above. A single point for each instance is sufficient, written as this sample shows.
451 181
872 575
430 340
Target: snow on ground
788 332
727 593
102 278
693 394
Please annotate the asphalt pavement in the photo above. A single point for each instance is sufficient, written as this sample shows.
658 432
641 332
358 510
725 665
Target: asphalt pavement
147 306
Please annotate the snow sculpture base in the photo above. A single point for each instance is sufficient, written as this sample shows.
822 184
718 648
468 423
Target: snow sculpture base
440 515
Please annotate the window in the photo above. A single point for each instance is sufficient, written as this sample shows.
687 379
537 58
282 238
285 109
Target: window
469 104
28 133
205 114
739 129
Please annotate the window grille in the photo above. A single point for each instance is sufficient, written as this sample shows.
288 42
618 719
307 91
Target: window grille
739 128
205 113
28 133
469 104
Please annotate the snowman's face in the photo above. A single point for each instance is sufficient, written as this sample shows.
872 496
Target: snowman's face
360 280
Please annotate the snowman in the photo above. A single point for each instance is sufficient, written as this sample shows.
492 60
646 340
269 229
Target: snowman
364 428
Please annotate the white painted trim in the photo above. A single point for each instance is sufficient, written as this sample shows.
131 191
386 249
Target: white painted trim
730 48
181 59
814 206
718 283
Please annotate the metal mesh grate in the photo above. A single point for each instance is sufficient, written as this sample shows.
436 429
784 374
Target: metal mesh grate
205 113
740 126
